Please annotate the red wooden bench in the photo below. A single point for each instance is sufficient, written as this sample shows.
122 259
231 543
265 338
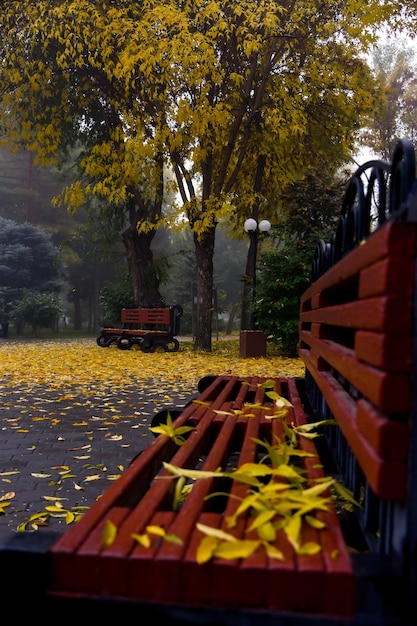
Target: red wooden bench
148 329
357 340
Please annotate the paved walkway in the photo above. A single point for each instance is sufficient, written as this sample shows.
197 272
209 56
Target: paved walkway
60 450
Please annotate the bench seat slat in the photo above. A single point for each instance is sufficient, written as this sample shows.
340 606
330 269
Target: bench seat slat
229 587
336 559
88 556
170 554
134 332
185 456
197 581
140 577
310 568
133 480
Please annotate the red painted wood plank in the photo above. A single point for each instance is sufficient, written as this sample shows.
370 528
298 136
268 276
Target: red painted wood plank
310 567
160 491
146 316
310 575
245 383
170 554
384 313
393 275
321 331
86 574
283 585
253 579
390 439
340 590
314 573
130 486
394 238
253 575
198 580
141 578
390 352
132 332
69 571
387 478
156 316
130 316
321 300
389 391
228 581
133 480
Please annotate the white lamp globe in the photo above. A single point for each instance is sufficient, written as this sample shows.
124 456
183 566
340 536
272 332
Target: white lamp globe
264 226
250 225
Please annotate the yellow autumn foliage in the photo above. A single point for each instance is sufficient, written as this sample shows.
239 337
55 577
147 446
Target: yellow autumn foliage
81 364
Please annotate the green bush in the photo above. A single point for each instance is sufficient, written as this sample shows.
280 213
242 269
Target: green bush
283 278
38 310
114 297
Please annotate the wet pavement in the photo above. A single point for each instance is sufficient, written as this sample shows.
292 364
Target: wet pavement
59 450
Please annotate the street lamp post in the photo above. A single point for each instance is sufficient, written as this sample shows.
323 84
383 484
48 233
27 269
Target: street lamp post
252 227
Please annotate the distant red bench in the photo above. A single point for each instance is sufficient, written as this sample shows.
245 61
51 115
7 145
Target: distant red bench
147 328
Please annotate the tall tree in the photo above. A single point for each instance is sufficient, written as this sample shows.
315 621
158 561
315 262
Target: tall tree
28 261
208 88
394 65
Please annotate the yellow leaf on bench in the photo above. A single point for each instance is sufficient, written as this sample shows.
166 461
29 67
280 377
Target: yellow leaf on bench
236 549
109 533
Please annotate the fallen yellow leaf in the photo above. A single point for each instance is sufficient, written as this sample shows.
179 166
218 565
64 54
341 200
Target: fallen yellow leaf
7 496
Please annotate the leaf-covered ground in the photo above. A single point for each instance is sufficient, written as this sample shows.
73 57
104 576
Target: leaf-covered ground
73 415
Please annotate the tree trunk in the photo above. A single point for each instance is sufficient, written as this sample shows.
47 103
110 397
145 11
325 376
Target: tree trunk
77 310
204 249
231 320
140 263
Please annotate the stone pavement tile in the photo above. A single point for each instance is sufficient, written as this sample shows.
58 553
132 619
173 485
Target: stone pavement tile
63 449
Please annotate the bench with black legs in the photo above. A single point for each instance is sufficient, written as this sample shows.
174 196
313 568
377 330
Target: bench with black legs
149 329
283 501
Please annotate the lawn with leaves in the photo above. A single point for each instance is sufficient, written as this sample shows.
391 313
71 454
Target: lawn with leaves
73 415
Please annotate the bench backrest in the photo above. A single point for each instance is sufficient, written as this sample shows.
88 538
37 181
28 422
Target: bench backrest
358 343
147 316
167 319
